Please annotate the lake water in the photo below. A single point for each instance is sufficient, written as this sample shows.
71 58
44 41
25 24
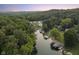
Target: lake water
43 46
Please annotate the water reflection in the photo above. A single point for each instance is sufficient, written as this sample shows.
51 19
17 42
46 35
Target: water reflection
43 46
34 51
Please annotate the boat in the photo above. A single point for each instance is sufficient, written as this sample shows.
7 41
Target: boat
45 37
56 46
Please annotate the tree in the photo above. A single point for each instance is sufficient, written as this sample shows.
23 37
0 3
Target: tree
45 27
77 28
70 38
2 36
50 23
56 34
26 49
16 35
3 22
8 29
10 45
66 23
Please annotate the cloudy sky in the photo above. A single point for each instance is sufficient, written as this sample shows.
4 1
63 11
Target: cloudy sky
35 7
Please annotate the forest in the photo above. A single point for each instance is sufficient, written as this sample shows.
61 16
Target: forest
16 36
17 33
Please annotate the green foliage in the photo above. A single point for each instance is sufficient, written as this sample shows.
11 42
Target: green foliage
77 28
70 38
49 24
16 35
26 49
56 34
66 23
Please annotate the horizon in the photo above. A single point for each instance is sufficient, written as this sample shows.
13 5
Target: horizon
35 7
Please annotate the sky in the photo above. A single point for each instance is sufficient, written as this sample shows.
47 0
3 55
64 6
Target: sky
35 7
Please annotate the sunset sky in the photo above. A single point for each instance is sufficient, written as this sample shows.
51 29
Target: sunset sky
35 7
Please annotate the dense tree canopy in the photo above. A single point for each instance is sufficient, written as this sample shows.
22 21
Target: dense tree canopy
70 38
56 34
16 35
66 23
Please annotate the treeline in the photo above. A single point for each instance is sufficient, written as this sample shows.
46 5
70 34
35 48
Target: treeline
59 14
16 36
45 15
